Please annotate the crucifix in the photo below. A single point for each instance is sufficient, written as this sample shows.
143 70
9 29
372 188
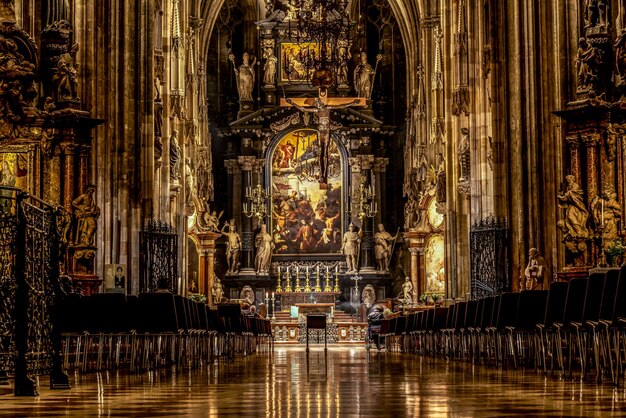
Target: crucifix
356 279
322 106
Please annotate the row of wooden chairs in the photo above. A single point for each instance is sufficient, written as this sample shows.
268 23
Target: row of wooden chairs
111 330
576 326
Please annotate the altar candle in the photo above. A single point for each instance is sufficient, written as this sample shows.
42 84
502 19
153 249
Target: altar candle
336 270
297 269
272 295
267 296
326 271
287 269
307 269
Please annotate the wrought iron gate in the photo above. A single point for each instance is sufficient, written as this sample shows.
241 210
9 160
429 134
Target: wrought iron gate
489 246
29 284
158 252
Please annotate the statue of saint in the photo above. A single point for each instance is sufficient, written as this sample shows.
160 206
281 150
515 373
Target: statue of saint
368 295
86 213
217 291
269 68
247 294
233 247
175 156
344 55
574 225
535 270
440 187
407 291
264 246
350 248
382 248
244 75
364 77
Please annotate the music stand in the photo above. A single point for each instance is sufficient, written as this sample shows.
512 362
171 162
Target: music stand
315 321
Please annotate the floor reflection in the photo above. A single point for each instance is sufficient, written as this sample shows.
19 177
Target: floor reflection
347 381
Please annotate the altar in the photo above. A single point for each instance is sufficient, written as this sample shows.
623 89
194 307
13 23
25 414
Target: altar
289 299
307 308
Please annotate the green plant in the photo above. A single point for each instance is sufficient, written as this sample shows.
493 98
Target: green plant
615 249
437 297
197 297
424 298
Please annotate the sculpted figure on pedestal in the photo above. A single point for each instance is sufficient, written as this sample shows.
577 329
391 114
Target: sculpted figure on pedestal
175 156
368 295
350 248
574 225
382 248
233 247
217 291
364 76
86 213
264 246
244 75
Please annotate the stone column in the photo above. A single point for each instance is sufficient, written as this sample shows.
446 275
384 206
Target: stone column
416 241
68 175
247 236
234 187
366 261
206 249
380 174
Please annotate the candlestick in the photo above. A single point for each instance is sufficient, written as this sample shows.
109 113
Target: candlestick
297 284
336 289
279 287
318 288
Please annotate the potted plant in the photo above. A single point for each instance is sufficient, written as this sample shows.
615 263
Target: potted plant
437 298
424 298
197 297
614 252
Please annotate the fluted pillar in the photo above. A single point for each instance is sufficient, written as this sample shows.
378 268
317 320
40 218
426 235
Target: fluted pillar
206 249
247 236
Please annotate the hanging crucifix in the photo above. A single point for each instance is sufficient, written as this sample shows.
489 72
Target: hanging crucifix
322 106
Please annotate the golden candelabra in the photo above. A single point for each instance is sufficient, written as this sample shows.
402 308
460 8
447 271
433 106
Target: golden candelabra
257 197
327 287
307 287
318 288
279 288
336 289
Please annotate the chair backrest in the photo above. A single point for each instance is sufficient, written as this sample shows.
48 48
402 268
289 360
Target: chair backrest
450 318
440 318
555 308
620 296
182 312
68 315
112 312
429 319
470 314
459 315
157 313
507 310
531 309
575 301
487 312
608 294
593 297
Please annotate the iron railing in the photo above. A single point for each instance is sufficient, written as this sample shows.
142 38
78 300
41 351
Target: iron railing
489 249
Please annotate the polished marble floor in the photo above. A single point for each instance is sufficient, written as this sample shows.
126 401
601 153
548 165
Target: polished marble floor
349 382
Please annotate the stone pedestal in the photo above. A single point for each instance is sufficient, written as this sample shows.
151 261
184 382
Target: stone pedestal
206 249
245 108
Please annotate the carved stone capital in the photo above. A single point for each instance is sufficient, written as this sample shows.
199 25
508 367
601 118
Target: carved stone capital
232 166
380 164
247 162
361 162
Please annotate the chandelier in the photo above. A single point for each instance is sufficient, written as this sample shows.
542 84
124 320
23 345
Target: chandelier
257 197
362 204
324 32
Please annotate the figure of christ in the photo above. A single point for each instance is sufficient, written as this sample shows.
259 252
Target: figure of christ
285 155
323 110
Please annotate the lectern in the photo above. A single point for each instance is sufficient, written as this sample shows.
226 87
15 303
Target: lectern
315 321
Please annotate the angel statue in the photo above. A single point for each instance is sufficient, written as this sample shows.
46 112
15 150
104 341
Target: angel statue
212 220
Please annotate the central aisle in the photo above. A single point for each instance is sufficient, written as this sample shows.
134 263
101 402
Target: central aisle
350 383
